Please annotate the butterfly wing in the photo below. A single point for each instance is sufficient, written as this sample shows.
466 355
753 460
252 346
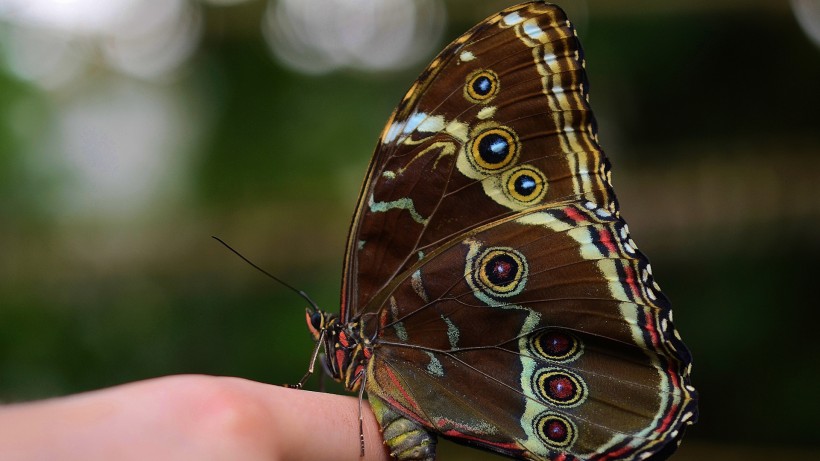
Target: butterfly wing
487 258
548 339
506 102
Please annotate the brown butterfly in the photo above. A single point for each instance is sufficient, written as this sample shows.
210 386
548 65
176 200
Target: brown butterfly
492 294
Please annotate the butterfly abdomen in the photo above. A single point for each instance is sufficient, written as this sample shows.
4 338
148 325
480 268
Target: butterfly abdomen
407 439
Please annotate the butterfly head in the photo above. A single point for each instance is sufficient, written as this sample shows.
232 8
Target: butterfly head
346 349
319 321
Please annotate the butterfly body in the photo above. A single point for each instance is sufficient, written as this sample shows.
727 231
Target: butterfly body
492 293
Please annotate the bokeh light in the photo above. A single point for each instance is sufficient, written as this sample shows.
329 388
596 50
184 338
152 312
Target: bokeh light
116 134
53 42
153 38
318 36
807 13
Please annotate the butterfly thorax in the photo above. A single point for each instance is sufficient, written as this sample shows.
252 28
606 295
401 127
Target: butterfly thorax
347 349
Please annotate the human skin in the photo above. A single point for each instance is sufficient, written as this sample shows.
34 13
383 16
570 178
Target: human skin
190 417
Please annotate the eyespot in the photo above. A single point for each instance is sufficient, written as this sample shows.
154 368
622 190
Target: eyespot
555 345
525 184
558 387
556 431
493 149
481 86
501 272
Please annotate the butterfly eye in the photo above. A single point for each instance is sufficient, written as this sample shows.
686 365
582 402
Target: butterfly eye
493 149
316 320
482 85
554 430
525 184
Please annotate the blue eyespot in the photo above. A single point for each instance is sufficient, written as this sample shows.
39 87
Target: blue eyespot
493 148
525 184
482 85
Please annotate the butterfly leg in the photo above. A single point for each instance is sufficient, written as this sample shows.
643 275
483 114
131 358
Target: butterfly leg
407 440
319 343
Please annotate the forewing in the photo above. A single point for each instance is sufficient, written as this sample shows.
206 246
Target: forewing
498 123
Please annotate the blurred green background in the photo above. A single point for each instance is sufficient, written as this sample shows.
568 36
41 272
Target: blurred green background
133 130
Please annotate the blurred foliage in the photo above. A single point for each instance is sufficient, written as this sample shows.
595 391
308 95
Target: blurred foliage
729 96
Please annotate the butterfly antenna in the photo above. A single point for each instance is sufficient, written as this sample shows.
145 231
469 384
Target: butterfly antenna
287 285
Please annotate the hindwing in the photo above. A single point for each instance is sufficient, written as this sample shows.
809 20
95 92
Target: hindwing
552 339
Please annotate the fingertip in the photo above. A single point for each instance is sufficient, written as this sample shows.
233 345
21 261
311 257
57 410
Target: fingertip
314 425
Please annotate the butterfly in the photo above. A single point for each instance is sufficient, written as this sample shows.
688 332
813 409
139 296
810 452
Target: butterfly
492 294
